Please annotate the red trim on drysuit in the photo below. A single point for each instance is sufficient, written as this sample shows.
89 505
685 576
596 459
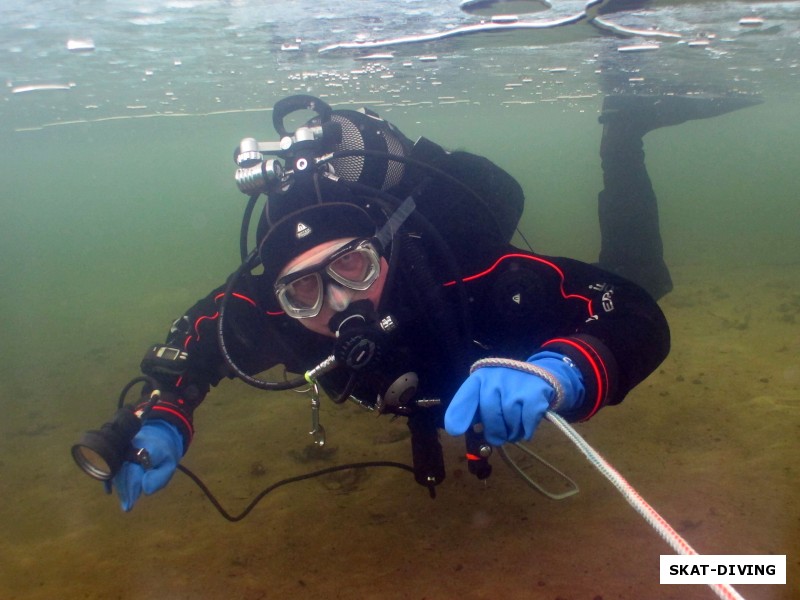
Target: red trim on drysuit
214 317
547 263
586 350
176 412
179 415
597 365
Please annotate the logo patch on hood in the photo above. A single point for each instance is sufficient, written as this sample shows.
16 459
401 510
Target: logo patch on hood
302 230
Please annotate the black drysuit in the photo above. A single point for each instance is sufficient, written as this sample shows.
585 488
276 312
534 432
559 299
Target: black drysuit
511 303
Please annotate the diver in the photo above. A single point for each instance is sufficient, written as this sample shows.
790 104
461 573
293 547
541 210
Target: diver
383 272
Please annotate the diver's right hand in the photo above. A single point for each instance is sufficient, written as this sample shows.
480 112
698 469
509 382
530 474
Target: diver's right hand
164 444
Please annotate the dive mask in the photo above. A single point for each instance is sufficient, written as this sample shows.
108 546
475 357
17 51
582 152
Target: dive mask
355 266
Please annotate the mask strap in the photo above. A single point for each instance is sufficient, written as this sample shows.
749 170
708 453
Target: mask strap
393 224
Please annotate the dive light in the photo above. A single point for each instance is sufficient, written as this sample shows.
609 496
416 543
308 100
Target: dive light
100 453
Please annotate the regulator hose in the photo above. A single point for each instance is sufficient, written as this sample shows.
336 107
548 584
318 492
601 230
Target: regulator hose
247 265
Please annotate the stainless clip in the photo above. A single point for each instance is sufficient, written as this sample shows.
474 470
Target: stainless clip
317 430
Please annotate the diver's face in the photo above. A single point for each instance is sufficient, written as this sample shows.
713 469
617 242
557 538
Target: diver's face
329 278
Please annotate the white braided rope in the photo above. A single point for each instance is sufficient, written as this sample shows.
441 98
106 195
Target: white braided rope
647 512
519 365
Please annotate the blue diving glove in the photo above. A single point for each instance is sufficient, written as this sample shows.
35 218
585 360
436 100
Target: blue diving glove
164 444
511 403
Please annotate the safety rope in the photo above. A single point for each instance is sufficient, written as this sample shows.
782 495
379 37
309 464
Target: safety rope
664 529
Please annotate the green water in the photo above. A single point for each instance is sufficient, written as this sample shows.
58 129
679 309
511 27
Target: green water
110 230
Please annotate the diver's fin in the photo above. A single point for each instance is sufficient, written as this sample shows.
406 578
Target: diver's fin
648 112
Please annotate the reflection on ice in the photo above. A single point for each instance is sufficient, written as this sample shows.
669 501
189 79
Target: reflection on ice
496 7
245 52
80 45
751 21
638 48
590 15
43 87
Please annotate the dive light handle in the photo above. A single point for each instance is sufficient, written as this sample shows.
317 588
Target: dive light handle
478 453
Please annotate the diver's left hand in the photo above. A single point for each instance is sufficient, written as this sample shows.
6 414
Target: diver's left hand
511 403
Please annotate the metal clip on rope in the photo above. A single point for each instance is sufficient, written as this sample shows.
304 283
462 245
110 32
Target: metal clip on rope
317 430
572 486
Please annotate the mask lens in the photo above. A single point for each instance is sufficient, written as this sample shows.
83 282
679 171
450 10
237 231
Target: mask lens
357 269
302 297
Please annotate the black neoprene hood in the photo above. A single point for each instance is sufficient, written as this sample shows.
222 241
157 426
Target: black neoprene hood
309 227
